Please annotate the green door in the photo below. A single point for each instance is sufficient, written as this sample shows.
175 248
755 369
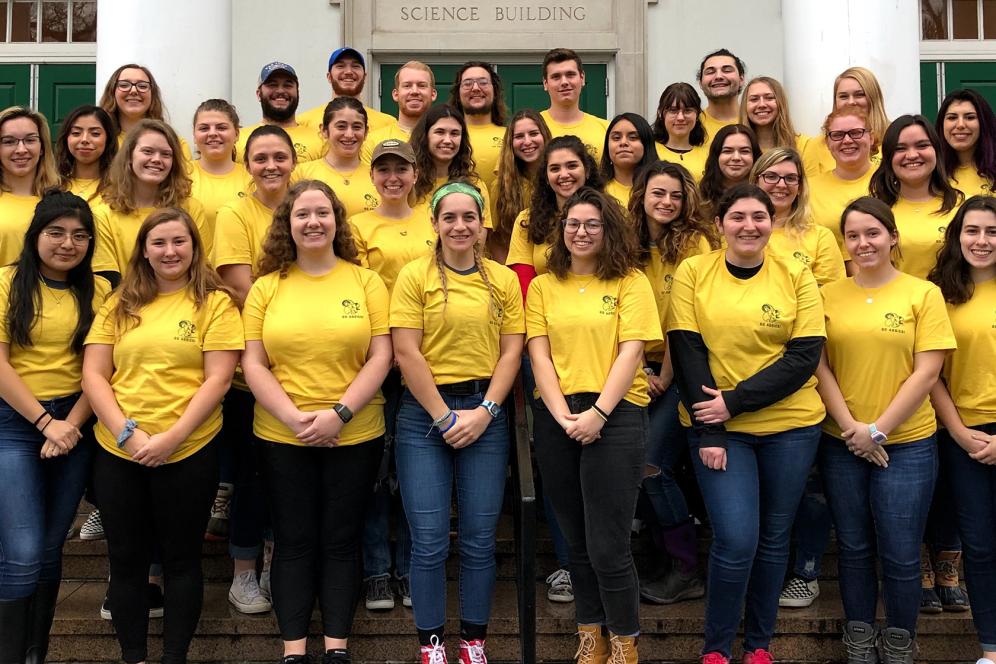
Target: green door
523 87
61 88
15 85
980 76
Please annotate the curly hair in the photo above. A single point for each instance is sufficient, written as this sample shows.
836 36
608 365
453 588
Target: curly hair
646 135
984 155
800 218
885 184
544 212
952 273
65 162
461 166
46 176
680 236
498 108
173 191
712 185
513 187
157 110
617 255
782 130
279 249
678 95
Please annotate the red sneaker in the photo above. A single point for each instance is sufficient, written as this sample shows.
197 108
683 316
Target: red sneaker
434 653
472 652
714 658
759 656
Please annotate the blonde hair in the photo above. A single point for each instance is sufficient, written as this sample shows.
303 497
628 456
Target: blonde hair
878 121
173 191
800 219
784 133
46 174
414 64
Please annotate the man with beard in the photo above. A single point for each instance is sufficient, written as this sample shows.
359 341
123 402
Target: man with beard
721 77
277 92
563 79
347 74
414 91
478 93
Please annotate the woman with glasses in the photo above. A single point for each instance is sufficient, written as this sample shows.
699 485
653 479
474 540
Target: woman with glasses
47 302
27 169
131 94
678 129
591 419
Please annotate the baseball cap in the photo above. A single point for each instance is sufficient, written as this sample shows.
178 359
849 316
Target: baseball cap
396 147
346 50
269 69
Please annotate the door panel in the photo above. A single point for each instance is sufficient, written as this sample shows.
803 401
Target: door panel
61 88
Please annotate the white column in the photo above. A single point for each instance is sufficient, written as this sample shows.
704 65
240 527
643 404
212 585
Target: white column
186 44
825 37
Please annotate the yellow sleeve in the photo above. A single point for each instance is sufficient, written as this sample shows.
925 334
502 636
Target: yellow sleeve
486 195
102 328
809 319
224 329
6 275
933 327
407 303
378 304
254 309
520 251
103 250
514 321
231 239
681 314
361 245
536 309
196 211
829 263
638 318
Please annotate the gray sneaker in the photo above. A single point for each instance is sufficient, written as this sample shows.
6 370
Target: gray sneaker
897 646
379 595
405 590
559 587
675 586
245 595
859 639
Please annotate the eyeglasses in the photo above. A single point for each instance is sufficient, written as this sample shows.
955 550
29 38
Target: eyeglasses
469 83
58 236
30 141
591 226
791 180
126 86
683 111
854 134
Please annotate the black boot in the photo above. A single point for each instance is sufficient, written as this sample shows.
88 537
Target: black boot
40 615
13 629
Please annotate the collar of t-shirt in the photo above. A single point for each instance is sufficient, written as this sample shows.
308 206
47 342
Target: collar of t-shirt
743 272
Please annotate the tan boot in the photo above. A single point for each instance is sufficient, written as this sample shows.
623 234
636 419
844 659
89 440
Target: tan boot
623 650
949 590
593 645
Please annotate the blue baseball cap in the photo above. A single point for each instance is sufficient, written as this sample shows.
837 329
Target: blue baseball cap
269 70
346 50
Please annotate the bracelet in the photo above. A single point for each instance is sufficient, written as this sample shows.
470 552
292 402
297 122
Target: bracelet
38 419
601 413
42 430
452 423
129 429
442 419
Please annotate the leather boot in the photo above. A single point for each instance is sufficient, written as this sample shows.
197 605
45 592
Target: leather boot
593 645
949 590
40 615
13 629
623 650
929 601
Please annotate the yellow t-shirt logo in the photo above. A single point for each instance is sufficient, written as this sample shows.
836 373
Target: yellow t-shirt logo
770 315
186 331
893 323
609 304
350 309
802 258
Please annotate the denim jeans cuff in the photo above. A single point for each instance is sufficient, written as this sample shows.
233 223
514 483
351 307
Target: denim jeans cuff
244 552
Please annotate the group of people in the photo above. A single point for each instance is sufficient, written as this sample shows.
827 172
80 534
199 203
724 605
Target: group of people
329 302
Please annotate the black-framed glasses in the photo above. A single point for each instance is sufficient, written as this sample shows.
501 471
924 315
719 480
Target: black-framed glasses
125 86
855 134
791 180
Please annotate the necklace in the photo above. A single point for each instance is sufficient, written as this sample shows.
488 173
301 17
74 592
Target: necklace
346 176
54 287
585 285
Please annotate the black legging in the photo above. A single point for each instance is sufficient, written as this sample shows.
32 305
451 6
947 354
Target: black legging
168 506
318 498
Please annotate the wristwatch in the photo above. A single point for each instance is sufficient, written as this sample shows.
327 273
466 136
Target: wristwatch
343 411
877 436
493 409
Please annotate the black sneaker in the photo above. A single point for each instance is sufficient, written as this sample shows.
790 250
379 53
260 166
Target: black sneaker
336 656
155 603
379 595
296 659
673 587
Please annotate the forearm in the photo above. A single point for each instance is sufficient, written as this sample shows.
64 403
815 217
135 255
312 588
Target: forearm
690 361
780 379
368 380
621 375
504 375
833 398
80 412
909 397
269 392
944 406
238 278
201 405
17 394
99 393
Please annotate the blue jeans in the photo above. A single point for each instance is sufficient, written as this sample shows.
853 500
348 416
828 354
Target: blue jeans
751 505
39 499
881 510
248 518
427 470
812 528
974 487
666 445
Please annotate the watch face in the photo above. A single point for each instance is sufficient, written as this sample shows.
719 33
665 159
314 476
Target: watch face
493 409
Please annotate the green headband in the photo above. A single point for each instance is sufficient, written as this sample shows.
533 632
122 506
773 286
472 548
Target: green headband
459 188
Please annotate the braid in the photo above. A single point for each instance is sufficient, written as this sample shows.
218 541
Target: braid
495 307
442 273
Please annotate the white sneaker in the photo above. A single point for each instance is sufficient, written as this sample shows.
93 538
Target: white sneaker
985 660
799 593
245 596
560 589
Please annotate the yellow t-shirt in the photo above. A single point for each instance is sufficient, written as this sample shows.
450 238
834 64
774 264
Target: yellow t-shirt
239 232
355 190
213 191
421 206
85 188
816 157
159 364
521 250
591 130
393 130
486 142
619 191
117 233
968 180
694 160
308 141
969 371
48 366
585 320
375 119
872 334
386 245
816 248
315 352
16 213
712 125
745 324
661 276
921 234
829 195
461 331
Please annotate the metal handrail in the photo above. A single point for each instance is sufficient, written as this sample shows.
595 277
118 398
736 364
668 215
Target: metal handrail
525 525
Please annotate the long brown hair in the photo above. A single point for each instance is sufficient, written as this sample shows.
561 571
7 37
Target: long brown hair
138 286
543 211
157 110
279 250
678 237
173 191
952 273
46 175
513 188
461 166
65 162
617 256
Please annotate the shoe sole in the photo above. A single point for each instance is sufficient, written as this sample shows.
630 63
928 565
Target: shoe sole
796 603
248 608
406 602
90 537
153 613
560 599
931 610
687 595
955 608
379 605
105 614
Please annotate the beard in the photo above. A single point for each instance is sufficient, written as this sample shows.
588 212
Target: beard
732 94
278 114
